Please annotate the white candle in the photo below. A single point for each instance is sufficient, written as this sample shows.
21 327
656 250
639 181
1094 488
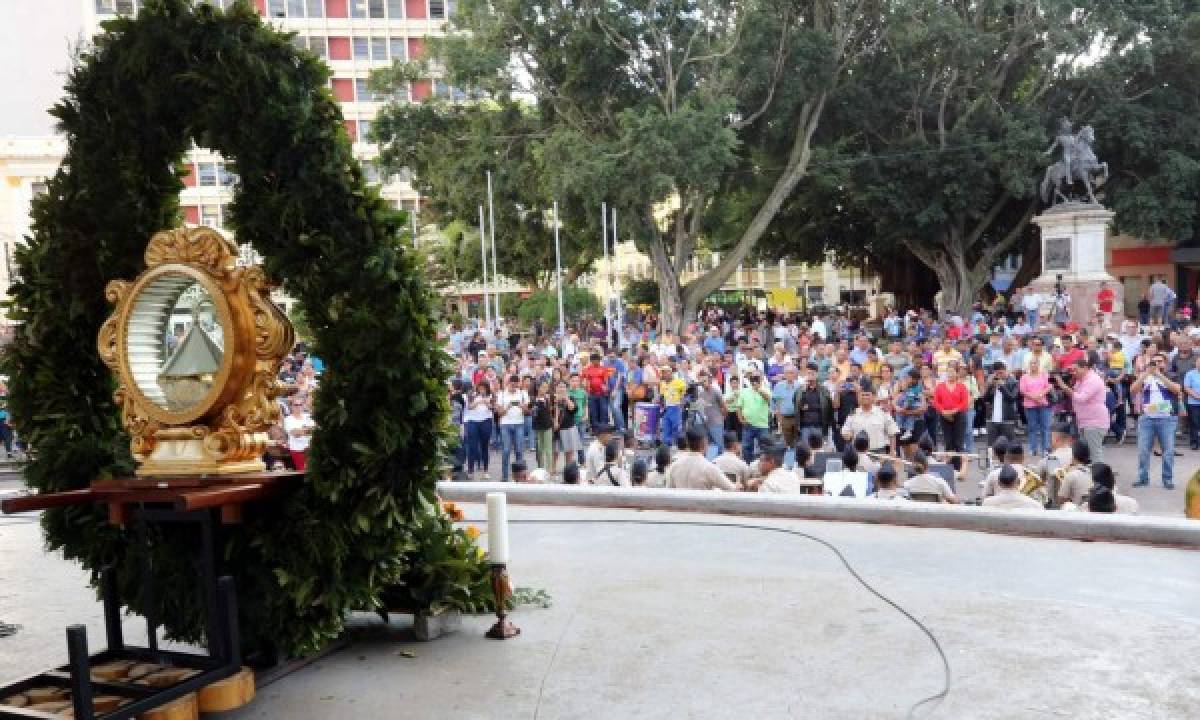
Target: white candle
497 512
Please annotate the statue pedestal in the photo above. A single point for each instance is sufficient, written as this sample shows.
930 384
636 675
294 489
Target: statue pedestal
1073 252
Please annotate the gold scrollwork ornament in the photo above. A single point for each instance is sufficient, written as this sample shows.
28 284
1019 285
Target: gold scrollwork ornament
195 343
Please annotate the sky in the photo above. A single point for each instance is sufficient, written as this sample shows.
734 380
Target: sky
36 37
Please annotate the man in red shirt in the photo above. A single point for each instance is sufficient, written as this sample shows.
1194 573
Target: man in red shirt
595 382
1105 299
1071 354
951 400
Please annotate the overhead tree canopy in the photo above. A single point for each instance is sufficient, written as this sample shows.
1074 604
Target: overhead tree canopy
662 109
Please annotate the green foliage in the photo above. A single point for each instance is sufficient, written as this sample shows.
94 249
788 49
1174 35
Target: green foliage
446 568
1144 101
300 323
577 302
640 292
136 100
934 152
641 104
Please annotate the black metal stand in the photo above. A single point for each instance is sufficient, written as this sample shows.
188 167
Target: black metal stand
223 659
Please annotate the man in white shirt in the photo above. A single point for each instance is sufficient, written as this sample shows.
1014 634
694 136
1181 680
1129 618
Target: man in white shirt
1030 302
511 403
593 459
869 418
818 328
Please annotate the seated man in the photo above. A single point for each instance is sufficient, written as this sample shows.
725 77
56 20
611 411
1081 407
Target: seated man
730 462
1061 442
594 459
1105 483
926 483
1077 482
520 472
1007 496
611 475
692 471
1014 456
571 474
886 485
777 479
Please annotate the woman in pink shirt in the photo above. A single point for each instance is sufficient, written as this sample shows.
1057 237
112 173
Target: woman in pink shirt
1035 390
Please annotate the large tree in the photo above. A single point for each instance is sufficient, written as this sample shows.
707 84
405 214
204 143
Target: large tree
943 137
667 109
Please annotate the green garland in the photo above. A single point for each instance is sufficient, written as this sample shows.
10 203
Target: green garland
147 89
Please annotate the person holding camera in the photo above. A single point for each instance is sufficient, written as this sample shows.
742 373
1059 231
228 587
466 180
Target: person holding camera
753 406
1159 401
1088 395
1000 404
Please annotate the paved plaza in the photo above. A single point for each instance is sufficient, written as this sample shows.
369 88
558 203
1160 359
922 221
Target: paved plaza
652 621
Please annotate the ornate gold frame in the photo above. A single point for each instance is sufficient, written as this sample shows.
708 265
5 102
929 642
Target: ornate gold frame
225 432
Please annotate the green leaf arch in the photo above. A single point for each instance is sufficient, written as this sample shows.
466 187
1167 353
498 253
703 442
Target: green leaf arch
136 100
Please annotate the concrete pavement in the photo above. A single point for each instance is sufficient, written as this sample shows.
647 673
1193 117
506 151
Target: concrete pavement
674 622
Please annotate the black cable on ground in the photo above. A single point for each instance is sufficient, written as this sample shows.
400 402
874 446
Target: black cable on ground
932 701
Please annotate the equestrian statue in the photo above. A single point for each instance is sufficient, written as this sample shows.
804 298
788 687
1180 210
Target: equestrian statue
1078 164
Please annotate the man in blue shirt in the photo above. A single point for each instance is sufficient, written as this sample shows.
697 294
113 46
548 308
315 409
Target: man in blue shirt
616 388
1191 388
714 342
783 404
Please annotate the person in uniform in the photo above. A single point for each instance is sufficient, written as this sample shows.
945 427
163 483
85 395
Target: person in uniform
1103 480
1077 482
657 478
594 458
611 474
880 427
886 485
1007 496
730 462
778 479
692 471
1014 456
1061 442
925 482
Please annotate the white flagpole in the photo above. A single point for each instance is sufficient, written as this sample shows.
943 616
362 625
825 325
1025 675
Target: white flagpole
492 230
562 332
487 309
619 319
415 224
604 245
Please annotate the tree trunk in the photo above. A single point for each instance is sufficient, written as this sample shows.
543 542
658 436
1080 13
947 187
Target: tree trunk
1031 266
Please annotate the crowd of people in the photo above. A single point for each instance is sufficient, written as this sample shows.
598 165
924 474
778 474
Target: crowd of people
763 401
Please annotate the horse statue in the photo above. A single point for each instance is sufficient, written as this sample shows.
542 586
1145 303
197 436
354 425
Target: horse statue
1079 164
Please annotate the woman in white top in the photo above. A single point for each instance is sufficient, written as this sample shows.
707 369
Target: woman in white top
299 427
477 420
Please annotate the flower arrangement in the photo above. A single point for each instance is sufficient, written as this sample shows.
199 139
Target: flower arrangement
446 568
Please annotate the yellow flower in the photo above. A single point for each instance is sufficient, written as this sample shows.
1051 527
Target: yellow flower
472 532
453 510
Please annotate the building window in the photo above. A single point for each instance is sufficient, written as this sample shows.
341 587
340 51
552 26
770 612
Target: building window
210 216
437 9
441 89
370 172
398 48
395 8
362 48
106 7
126 7
207 173
316 8
362 93
358 8
317 44
277 8
295 8
364 130
37 188
225 176
379 48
